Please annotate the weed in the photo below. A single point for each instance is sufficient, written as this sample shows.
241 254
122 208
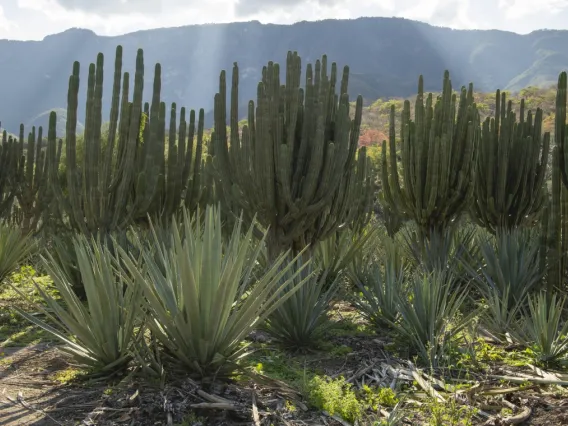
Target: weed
450 413
335 397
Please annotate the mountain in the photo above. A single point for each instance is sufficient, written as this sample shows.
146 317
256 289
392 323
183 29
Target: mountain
385 56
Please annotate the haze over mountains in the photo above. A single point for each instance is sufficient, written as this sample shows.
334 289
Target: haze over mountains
385 55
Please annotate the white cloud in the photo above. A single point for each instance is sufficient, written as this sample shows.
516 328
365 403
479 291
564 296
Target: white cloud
517 9
446 13
34 19
6 25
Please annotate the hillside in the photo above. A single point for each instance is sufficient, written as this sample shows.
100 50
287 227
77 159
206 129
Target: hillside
375 122
385 56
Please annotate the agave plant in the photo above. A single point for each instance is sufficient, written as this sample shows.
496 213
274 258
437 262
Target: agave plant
381 285
501 316
543 330
511 264
14 248
98 333
201 296
429 317
442 251
336 252
511 269
300 321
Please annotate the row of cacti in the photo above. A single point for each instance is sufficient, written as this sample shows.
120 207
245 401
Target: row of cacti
123 176
495 171
453 164
295 164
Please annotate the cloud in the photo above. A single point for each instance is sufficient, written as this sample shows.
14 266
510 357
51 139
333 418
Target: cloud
253 7
446 13
517 9
34 19
6 25
111 7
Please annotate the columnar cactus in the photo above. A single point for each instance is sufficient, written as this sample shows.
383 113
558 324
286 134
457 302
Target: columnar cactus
561 127
437 159
98 195
181 183
33 191
295 165
556 230
510 168
124 177
8 165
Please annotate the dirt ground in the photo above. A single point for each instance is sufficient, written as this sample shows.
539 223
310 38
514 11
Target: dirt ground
33 392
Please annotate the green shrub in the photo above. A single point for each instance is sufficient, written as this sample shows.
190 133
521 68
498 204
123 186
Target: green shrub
335 397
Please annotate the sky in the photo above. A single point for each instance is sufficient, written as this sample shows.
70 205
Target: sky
34 19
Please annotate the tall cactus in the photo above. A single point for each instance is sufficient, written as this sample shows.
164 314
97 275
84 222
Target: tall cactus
33 191
295 165
121 177
8 166
510 168
561 127
556 230
437 159
181 182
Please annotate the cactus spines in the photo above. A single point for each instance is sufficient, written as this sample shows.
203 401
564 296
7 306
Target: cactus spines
437 151
510 168
296 164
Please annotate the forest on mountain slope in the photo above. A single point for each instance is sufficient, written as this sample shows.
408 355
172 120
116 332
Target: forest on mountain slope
385 56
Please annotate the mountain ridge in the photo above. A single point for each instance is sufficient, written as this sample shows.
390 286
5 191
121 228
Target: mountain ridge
385 56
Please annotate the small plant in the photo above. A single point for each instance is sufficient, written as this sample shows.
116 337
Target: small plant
335 397
429 318
542 330
300 321
335 253
449 413
381 285
444 250
510 272
14 248
379 397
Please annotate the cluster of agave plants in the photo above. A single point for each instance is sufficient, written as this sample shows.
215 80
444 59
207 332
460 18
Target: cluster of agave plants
168 248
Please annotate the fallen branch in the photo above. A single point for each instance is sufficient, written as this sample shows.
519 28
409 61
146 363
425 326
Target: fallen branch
518 418
213 398
531 380
337 418
255 415
215 406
